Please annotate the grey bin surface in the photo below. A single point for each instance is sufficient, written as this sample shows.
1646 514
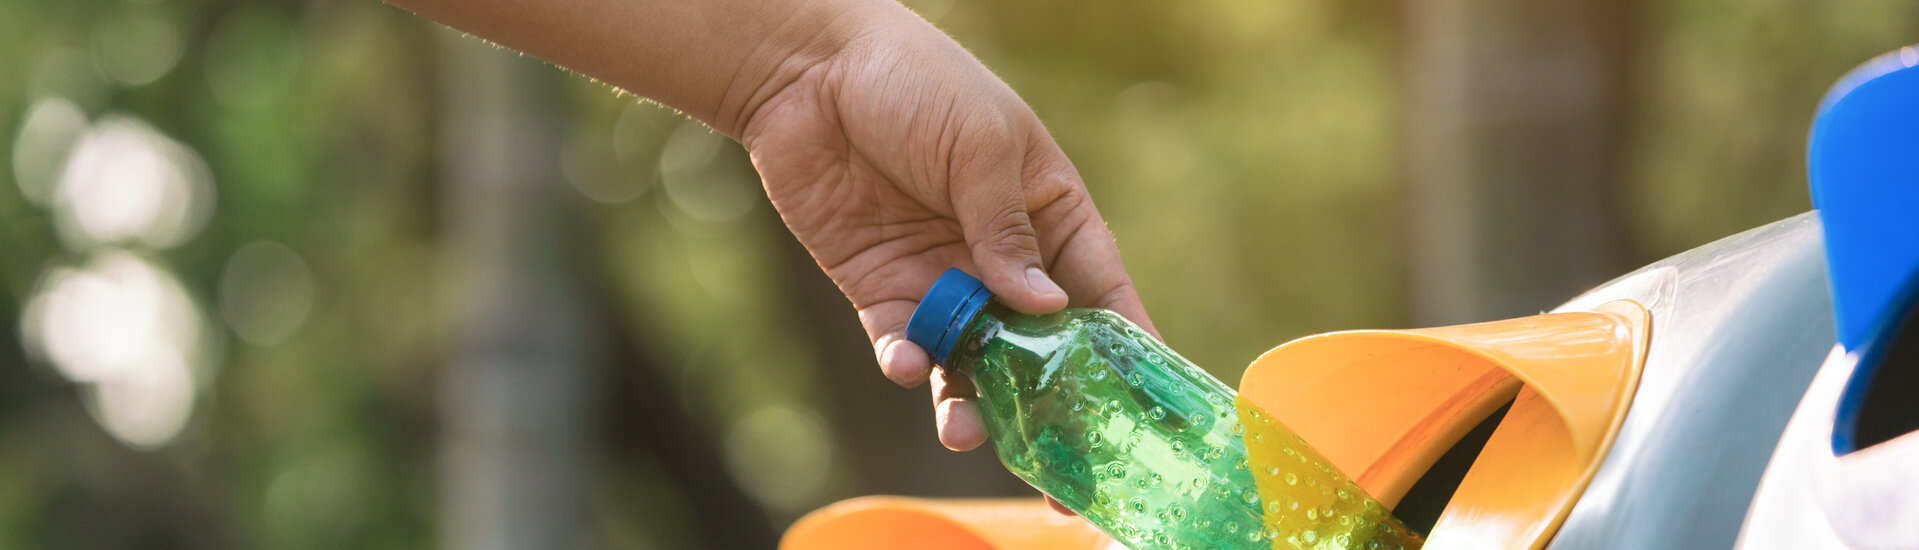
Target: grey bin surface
1739 327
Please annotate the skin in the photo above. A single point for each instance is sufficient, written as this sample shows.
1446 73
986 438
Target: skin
889 151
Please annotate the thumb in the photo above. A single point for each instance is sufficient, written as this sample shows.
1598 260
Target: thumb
990 203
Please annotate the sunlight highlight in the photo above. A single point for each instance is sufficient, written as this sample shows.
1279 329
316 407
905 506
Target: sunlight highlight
781 456
265 292
125 182
40 149
128 331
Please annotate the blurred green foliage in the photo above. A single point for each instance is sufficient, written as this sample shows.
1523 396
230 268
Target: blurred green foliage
1244 153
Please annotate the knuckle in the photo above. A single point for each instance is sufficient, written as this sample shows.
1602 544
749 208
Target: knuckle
1120 293
984 138
1009 233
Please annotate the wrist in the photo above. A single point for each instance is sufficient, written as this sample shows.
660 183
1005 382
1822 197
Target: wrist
797 38
716 60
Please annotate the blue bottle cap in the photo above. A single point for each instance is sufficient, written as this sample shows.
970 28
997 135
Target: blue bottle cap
944 312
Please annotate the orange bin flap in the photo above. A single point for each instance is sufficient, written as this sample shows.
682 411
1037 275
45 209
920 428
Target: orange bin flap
888 523
1382 405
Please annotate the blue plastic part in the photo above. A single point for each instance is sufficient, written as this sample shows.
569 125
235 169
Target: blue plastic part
944 312
1863 165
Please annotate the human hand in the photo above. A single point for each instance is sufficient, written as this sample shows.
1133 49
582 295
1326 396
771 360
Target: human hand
890 151
901 155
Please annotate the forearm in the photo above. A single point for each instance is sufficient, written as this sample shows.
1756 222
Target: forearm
716 60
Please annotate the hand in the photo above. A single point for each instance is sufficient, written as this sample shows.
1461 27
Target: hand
891 153
901 155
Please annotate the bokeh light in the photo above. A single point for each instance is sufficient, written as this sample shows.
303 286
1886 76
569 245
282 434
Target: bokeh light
137 46
40 150
120 326
265 292
1249 157
125 182
698 179
619 166
782 456
127 330
147 405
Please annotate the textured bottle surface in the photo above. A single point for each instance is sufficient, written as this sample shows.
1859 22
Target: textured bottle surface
1150 448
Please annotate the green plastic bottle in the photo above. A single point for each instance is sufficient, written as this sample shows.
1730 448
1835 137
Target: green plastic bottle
1090 410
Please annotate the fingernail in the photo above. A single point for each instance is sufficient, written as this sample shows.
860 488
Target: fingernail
1039 282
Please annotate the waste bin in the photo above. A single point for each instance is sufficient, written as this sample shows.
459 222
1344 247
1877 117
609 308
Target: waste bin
1644 412
1826 487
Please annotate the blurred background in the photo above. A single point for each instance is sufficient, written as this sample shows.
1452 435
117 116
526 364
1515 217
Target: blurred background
323 274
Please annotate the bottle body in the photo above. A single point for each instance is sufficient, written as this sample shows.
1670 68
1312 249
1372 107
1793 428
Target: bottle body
1102 417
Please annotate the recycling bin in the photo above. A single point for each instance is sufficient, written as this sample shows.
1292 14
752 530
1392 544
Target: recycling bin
1825 487
1644 413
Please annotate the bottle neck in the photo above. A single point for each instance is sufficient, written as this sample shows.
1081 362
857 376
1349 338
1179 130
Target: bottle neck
971 338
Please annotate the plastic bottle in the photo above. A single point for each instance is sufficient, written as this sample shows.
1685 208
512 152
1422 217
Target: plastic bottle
1092 411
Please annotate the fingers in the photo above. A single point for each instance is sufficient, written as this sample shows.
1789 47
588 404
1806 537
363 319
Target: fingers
990 202
1122 298
959 423
900 360
1084 257
903 362
1061 508
954 412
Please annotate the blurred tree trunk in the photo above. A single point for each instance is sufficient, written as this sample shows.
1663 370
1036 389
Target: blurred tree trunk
647 424
1515 114
513 398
